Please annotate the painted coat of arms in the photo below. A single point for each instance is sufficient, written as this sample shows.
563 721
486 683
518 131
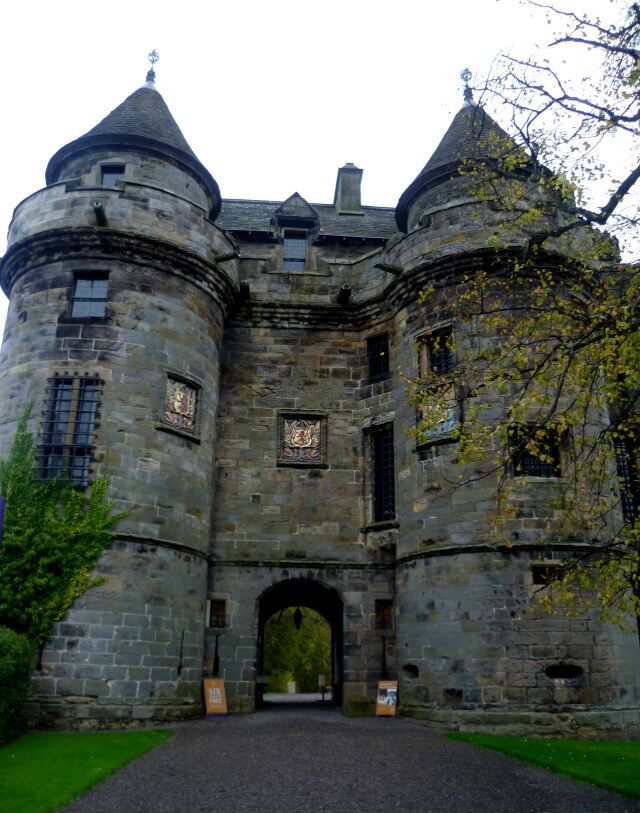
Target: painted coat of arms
301 440
180 406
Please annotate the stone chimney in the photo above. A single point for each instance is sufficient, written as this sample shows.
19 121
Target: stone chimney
347 197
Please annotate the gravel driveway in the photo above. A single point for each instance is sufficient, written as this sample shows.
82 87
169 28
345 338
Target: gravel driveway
295 759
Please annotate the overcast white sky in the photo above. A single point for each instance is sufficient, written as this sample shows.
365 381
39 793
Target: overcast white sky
272 96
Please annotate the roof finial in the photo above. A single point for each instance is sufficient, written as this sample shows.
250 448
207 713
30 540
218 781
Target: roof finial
154 56
466 75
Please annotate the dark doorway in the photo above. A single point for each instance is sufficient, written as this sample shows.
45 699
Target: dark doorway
303 593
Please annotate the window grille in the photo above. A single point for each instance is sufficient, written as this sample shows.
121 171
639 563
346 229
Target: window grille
436 354
89 296
378 356
110 173
384 491
384 616
295 251
66 440
627 480
543 461
217 612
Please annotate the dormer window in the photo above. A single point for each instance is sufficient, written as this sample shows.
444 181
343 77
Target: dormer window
296 223
295 250
110 173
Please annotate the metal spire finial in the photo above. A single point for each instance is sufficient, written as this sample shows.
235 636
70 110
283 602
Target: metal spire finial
154 56
466 75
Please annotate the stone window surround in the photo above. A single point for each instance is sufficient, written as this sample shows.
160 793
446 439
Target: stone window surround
378 367
292 242
381 480
531 467
435 341
433 380
72 410
112 169
75 300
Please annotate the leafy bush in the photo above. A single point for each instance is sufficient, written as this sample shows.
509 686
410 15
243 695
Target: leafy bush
16 659
53 536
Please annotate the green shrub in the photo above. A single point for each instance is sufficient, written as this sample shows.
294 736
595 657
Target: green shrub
16 666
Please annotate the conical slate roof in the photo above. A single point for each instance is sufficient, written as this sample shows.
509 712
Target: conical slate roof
473 134
143 120
144 113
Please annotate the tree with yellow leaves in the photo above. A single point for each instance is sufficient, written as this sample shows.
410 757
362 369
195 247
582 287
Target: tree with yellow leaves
546 337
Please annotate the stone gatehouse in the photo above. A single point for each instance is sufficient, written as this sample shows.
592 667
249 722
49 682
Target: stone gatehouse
233 366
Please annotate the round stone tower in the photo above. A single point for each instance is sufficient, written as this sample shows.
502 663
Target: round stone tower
469 651
119 283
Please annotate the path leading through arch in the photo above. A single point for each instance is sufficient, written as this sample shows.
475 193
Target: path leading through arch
312 760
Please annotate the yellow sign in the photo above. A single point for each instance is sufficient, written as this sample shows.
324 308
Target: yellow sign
215 700
387 698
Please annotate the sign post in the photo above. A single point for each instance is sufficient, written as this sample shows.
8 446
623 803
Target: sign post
215 701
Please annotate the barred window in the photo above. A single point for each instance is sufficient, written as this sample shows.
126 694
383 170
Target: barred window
295 250
217 613
384 614
535 451
66 445
384 490
378 356
435 353
628 480
89 295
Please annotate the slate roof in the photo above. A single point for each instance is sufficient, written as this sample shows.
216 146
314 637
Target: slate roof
256 215
143 120
469 136
144 113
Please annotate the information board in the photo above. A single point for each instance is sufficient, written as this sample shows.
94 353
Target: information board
215 700
387 698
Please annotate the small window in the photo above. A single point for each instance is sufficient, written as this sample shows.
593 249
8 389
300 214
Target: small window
384 490
378 356
295 250
66 445
535 451
543 573
628 480
217 613
384 615
89 296
110 173
436 353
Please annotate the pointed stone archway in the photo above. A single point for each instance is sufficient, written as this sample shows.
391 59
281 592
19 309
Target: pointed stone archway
316 596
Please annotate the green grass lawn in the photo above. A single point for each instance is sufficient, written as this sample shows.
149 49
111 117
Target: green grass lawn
612 765
41 772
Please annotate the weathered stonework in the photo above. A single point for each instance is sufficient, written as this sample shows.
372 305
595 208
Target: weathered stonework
237 425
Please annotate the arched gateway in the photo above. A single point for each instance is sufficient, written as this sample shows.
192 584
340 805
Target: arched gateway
305 593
